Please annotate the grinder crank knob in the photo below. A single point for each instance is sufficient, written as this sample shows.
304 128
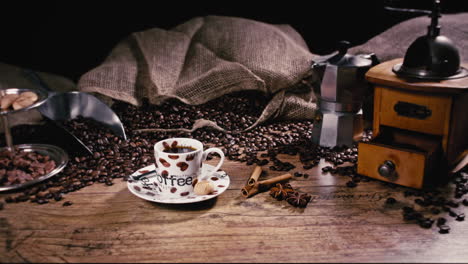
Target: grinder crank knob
387 170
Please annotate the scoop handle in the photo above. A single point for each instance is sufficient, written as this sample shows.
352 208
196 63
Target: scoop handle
36 79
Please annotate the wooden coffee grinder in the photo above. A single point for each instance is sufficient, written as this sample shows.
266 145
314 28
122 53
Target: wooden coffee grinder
420 122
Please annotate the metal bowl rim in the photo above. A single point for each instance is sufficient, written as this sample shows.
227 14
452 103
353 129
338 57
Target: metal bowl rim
43 95
58 155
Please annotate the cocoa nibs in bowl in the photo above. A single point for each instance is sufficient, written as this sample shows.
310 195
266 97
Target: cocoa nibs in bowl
19 166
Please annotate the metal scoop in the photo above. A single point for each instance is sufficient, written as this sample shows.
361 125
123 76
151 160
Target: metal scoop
69 105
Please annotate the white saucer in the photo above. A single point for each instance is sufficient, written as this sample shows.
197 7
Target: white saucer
144 188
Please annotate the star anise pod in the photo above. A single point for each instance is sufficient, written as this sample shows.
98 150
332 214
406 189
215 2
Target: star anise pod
280 191
298 199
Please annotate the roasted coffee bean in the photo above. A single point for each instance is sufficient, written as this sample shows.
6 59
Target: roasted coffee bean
412 216
419 201
426 223
20 166
356 178
67 203
460 217
452 213
58 197
298 174
42 201
465 202
441 221
390 200
351 184
444 229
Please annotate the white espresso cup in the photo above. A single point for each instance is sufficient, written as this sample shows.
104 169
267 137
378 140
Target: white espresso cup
179 163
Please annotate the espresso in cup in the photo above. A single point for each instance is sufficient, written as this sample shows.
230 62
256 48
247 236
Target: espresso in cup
179 163
175 148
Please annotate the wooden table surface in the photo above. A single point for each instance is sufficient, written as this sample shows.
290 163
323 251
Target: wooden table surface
340 224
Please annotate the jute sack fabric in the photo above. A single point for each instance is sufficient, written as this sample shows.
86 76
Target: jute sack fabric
205 58
394 42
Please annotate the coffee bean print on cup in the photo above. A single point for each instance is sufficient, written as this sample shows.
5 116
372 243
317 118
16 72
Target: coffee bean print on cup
165 145
165 173
182 165
194 182
174 157
190 157
174 144
164 162
173 189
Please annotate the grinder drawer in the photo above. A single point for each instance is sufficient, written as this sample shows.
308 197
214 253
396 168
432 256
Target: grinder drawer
415 111
399 161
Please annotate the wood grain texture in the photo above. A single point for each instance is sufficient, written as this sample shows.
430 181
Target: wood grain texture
446 100
340 224
457 141
382 74
410 174
436 124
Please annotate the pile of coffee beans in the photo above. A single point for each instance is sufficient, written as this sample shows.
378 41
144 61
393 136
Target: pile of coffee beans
114 158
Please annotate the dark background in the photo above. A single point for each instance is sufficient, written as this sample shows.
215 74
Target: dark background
70 37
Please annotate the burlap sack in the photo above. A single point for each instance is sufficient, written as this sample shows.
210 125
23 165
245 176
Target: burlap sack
205 58
394 42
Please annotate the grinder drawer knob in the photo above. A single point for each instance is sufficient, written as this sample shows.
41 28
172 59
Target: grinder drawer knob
387 169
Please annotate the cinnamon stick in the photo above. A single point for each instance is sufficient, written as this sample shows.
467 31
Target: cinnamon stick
261 186
254 176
